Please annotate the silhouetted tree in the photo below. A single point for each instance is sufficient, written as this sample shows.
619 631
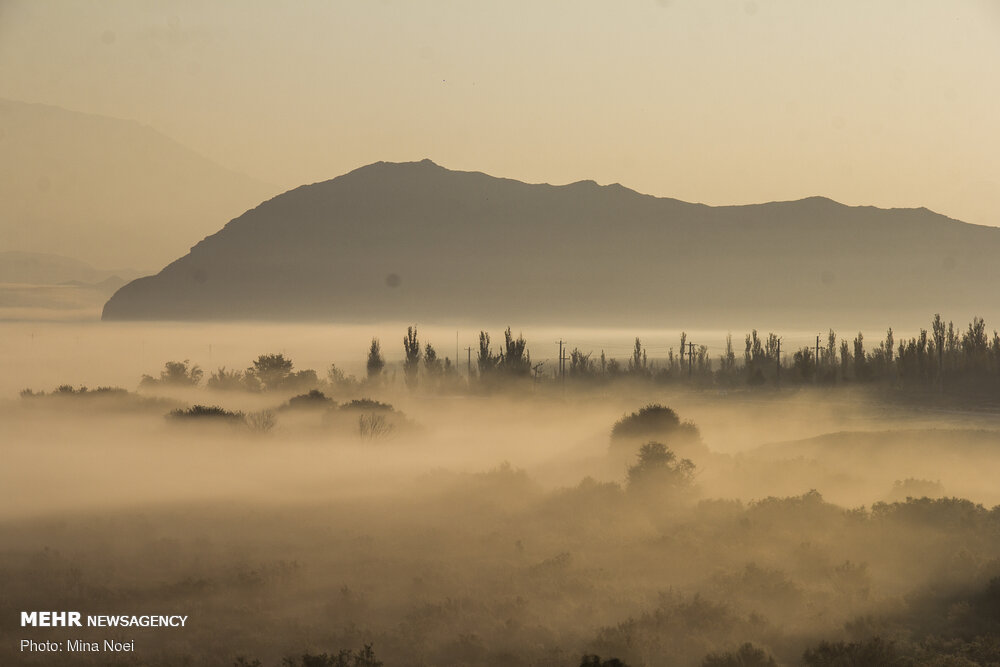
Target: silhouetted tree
225 380
659 466
515 360
339 380
804 364
637 364
860 359
411 362
759 356
175 373
432 365
580 364
937 327
486 362
830 358
727 362
375 361
975 345
272 370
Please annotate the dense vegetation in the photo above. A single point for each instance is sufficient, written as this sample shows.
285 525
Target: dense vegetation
943 360
651 549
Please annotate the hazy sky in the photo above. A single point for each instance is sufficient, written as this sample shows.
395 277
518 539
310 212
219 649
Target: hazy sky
891 103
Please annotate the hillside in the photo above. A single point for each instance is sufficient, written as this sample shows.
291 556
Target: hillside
107 191
414 241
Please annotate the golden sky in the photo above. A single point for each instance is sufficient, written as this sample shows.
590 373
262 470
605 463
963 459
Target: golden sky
890 103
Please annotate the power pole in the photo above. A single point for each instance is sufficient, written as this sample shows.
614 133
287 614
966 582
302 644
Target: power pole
777 380
690 357
562 372
816 380
468 367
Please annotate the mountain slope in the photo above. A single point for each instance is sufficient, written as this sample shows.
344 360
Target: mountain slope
414 241
108 191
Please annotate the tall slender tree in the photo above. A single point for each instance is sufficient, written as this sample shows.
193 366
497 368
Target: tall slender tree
411 362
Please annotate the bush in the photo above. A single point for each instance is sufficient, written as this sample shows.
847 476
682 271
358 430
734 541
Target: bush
595 661
373 427
208 413
872 651
261 422
653 421
314 399
367 404
67 390
175 374
344 658
747 655
225 380
658 467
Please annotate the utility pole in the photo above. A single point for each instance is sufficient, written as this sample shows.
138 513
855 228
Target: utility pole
690 357
468 368
816 379
777 380
562 371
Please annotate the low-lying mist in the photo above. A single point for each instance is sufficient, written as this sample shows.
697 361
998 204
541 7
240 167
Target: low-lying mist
536 524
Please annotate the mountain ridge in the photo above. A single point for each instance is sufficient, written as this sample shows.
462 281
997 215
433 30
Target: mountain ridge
462 242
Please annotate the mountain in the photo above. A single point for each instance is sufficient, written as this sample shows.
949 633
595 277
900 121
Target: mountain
47 269
111 192
415 241
42 286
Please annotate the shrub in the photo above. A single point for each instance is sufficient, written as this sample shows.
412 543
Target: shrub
874 651
747 655
653 418
261 422
176 374
340 380
344 658
225 380
658 466
210 413
651 421
367 404
595 661
372 426
314 399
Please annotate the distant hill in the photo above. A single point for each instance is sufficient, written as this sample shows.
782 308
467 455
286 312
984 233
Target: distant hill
111 192
45 286
47 269
415 241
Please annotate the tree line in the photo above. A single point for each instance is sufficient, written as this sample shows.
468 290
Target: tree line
943 358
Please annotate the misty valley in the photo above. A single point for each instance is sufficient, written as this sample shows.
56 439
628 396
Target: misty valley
633 507
485 334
